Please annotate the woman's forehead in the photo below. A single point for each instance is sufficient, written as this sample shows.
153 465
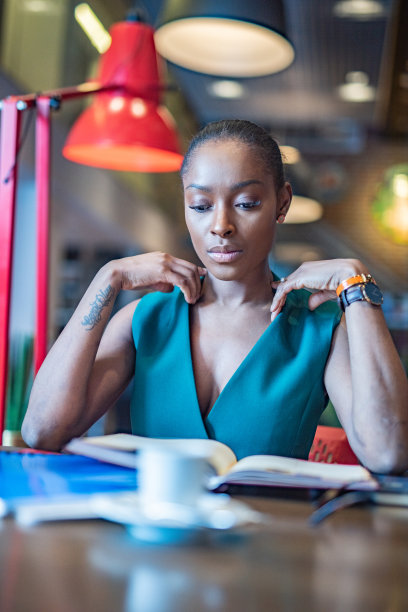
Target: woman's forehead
225 158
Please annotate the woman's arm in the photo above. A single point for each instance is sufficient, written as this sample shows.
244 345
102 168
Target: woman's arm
92 361
364 376
368 387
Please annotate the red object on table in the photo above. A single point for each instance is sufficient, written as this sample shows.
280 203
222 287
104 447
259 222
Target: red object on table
330 445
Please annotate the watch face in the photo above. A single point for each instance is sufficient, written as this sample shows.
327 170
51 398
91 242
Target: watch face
373 294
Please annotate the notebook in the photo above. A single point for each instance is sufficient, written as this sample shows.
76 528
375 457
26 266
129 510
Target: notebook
27 476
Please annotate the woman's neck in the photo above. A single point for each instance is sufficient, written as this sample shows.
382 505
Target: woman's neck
254 290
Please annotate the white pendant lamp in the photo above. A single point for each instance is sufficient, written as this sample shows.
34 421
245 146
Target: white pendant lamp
230 38
304 210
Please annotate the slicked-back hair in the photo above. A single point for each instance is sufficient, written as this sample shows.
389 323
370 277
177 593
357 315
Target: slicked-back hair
246 132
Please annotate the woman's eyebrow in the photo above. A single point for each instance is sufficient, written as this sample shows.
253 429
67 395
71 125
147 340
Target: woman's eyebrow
199 187
234 187
245 184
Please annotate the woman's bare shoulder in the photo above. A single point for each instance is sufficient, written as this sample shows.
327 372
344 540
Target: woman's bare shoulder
120 325
127 312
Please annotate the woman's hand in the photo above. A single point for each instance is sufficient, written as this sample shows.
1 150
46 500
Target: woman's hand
160 272
320 277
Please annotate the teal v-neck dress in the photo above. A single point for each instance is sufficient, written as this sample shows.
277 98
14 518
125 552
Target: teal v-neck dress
271 404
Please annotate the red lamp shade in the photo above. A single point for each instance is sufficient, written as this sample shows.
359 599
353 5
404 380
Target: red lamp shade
126 128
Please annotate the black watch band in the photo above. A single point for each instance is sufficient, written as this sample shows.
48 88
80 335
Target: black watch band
366 292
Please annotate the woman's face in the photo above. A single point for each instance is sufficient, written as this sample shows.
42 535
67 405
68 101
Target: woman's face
231 207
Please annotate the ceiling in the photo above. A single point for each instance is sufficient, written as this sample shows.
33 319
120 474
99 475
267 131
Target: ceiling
302 104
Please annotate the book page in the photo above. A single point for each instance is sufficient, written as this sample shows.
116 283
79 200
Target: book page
219 455
300 467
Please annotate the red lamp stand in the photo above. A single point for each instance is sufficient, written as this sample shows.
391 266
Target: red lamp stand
12 109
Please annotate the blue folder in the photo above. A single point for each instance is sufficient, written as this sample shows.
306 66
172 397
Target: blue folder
25 476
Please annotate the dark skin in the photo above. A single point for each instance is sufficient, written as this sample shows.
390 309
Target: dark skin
232 206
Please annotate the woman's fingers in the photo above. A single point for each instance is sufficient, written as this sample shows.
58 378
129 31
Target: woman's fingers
316 299
282 288
161 272
163 287
319 277
182 274
190 278
186 276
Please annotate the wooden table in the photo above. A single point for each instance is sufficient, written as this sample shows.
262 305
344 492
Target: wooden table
357 560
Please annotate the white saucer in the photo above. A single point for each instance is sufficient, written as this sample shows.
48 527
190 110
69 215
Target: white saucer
173 522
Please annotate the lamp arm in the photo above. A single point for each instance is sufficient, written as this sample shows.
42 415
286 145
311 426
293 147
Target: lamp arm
64 93
55 96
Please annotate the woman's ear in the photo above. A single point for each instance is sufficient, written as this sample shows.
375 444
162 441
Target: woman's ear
284 200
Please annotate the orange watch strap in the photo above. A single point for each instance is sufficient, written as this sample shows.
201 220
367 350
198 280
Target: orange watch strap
358 279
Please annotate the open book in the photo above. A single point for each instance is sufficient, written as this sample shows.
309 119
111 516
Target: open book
262 470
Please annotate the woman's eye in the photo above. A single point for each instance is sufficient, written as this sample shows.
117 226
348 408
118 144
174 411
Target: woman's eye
247 205
200 208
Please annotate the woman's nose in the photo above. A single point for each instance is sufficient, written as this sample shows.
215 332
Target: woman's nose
222 224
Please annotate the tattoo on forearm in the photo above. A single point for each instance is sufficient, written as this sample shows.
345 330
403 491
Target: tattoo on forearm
102 299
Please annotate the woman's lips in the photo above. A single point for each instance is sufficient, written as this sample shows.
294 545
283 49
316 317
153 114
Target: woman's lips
224 254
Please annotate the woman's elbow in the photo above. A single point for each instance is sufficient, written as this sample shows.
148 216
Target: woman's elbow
387 461
31 435
36 436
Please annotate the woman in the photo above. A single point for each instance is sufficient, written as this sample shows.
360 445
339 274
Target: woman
232 353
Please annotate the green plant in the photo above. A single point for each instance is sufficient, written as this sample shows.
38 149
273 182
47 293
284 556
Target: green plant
20 380
329 417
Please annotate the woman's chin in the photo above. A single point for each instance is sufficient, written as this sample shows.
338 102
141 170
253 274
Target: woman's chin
224 272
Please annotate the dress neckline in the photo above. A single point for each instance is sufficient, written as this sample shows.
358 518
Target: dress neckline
242 366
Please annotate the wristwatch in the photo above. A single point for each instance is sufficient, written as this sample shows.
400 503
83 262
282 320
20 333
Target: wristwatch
367 292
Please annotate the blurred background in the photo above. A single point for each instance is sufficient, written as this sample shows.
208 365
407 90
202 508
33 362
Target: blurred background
339 112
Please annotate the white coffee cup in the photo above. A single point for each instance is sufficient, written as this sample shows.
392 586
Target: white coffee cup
169 476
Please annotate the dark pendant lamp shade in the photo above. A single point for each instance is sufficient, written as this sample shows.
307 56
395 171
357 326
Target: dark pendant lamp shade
230 38
127 128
